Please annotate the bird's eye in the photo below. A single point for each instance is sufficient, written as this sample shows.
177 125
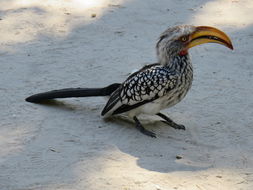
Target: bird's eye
184 38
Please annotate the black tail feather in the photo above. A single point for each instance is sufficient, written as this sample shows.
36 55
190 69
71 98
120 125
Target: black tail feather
73 92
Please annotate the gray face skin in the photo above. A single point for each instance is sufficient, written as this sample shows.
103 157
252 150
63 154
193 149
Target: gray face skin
172 41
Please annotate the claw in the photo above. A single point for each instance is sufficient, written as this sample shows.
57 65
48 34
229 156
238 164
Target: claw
174 125
148 133
142 129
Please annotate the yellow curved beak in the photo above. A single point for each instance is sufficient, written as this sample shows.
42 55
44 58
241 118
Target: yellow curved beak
207 34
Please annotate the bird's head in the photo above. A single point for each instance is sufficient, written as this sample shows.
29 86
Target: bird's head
177 40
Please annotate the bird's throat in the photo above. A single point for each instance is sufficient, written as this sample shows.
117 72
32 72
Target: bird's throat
183 52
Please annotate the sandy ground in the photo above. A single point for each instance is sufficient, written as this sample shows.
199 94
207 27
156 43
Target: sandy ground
48 45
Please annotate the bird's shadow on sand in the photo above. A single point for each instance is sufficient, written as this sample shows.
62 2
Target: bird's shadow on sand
62 105
169 152
56 104
166 153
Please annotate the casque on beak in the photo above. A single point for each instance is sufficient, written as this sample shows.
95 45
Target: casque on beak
207 34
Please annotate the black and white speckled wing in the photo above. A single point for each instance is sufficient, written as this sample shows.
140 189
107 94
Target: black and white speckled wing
141 87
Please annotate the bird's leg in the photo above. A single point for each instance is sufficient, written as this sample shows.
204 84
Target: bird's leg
170 122
142 129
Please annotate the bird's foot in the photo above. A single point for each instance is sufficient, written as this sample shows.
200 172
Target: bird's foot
142 129
145 131
170 122
174 125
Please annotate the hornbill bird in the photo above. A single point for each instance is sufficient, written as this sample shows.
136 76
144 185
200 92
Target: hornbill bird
156 86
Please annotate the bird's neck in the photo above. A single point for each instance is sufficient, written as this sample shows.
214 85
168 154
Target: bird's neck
178 62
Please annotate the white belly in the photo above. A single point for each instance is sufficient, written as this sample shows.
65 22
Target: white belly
151 108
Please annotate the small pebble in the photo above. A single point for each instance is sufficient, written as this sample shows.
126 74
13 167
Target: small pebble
53 150
93 15
178 157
